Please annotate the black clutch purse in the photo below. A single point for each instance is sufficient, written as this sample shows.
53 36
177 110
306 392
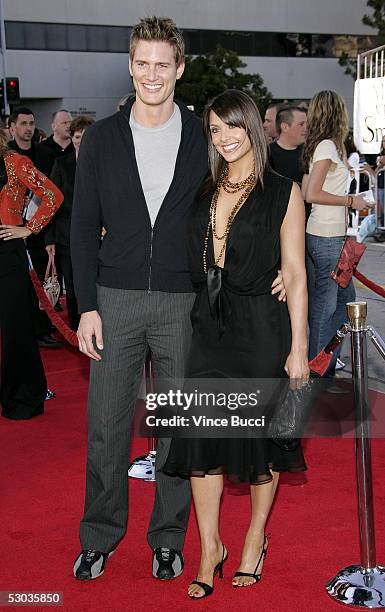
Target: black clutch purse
291 413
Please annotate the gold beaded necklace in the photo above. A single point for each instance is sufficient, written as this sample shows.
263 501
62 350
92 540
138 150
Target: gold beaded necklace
230 187
247 185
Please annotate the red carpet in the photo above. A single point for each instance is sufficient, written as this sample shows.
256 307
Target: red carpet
313 524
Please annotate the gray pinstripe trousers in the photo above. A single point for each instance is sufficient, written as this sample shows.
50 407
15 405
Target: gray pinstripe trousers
133 321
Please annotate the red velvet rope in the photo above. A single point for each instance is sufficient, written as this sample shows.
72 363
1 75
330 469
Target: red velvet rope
321 362
370 284
57 321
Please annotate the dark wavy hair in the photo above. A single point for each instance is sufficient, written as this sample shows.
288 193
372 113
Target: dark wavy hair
236 108
81 122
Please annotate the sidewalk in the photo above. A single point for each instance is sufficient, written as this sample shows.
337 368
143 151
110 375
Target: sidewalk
372 265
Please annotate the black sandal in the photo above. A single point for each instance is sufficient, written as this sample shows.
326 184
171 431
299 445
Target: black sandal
257 577
218 569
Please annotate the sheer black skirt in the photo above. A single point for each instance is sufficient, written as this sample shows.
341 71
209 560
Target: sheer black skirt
254 345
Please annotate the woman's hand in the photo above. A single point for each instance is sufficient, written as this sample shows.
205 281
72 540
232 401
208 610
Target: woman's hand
10 232
297 368
359 203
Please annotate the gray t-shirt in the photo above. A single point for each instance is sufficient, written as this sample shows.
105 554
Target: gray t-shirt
156 150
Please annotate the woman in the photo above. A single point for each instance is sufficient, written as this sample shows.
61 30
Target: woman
326 188
23 383
247 225
57 237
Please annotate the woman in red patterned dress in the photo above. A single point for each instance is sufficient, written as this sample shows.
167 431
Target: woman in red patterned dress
23 385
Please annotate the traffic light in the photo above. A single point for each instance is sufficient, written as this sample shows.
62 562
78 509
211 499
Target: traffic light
13 91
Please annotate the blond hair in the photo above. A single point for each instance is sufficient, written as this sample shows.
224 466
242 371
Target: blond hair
161 29
3 142
327 119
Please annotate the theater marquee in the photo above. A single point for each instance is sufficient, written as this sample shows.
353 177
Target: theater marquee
369 114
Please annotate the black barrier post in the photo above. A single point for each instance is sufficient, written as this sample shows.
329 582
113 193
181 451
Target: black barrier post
361 585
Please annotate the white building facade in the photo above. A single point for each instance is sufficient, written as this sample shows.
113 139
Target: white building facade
73 54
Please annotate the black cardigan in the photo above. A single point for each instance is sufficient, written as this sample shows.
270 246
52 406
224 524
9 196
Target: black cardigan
63 175
108 193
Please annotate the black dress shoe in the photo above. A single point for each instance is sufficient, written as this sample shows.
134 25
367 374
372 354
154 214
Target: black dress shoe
90 564
167 563
50 395
48 341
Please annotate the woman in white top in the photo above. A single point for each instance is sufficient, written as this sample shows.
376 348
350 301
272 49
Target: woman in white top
325 187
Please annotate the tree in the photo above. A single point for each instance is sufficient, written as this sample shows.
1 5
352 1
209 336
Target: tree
376 21
207 75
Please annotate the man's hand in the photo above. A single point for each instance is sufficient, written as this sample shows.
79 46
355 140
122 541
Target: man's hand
90 325
279 287
50 248
10 232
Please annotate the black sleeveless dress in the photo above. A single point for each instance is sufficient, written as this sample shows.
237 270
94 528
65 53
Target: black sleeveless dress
240 330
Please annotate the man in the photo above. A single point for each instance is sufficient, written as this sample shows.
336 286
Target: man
57 236
137 175
60 143
269 122
286 151
22 127
22 124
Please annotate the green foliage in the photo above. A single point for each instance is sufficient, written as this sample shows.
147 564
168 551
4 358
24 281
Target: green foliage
208 75
376 21
349 64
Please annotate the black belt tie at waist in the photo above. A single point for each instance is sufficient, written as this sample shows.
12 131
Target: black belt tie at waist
220 305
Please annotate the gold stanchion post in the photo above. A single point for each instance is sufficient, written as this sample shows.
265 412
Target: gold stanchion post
361 585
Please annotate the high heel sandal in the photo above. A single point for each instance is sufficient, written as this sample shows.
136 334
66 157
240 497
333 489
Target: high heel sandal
218 569
257 577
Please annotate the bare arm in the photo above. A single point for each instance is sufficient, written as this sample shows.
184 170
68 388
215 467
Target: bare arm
305 182
316 195
294 276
